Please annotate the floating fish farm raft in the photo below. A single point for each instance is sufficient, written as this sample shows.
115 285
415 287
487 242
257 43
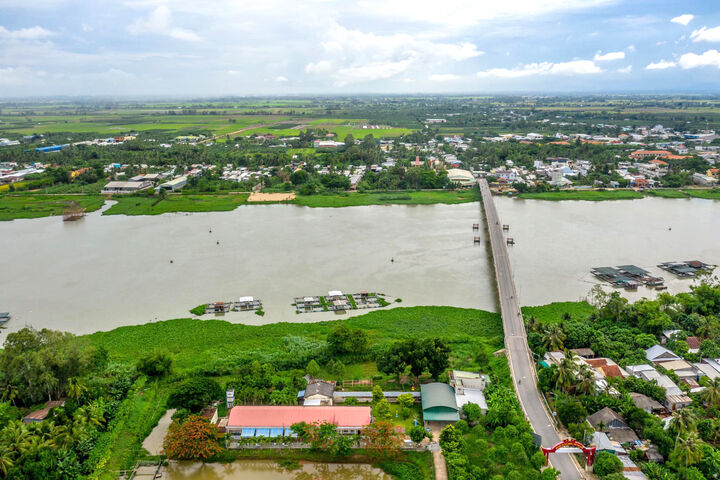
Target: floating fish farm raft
337 301
243 304
628 277
688 268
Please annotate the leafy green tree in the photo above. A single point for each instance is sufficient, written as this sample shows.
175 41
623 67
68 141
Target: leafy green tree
382 410
472 412
312 369
345 341
417 433
451 440
406 400
606 463
377 394
570 410
194 394
155 364
351 401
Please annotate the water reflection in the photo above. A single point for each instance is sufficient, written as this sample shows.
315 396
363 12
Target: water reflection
268 470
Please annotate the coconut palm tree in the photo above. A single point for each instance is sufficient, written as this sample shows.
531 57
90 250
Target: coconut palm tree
75 389
16 435
586 380
532 323
7 456
565 376
688 450
554 338
711 394
684 422
708 327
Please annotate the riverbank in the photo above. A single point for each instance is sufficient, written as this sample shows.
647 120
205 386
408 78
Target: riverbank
206 342
623 194
40 205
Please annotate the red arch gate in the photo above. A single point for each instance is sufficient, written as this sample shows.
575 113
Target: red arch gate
572 446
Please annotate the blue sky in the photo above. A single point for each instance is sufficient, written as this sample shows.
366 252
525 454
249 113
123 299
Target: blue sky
240 47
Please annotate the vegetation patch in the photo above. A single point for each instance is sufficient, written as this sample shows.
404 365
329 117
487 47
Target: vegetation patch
588 195
35 206
130 205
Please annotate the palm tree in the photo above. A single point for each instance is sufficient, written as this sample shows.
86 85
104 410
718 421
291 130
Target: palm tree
6 459
586 384
9 393
75 389
711 394
565 376
16 436
708 328
553 338
684 422
687 450
532 323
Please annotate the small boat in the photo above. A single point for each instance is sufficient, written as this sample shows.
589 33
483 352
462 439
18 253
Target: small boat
4 317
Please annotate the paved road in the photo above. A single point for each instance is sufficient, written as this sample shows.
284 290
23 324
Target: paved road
521 364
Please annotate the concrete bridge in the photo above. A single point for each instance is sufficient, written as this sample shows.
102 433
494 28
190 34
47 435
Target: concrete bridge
522 367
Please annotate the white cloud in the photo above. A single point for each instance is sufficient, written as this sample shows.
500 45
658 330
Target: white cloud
711 58
32 33
706 35
443 77
323 66
352 56
627 69
159 22
280 78
465 13
661 65
574 67
683 19
609 56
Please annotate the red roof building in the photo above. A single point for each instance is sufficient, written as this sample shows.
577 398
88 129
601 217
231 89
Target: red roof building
350 420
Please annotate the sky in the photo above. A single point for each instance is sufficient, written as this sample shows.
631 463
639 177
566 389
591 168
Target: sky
217 48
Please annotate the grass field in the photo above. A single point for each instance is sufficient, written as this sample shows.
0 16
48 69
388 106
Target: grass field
113 124
426 197
554 312
708 194
175 203
36 206
203 342
588 195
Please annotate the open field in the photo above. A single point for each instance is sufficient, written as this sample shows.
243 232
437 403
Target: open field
175 203
553 313
36 206
125 123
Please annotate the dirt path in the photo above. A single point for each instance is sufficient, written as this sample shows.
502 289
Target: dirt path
153 443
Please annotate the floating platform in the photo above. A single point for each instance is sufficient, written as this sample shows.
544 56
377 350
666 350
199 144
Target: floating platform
243 304
615 277
688 268
641 275
336 301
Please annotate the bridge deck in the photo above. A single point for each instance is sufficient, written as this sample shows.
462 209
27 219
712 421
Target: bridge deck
518 352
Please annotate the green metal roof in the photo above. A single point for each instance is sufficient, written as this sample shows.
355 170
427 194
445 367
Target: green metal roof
441 416
437 395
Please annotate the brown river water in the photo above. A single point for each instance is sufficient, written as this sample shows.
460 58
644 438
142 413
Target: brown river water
107 271
267 470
